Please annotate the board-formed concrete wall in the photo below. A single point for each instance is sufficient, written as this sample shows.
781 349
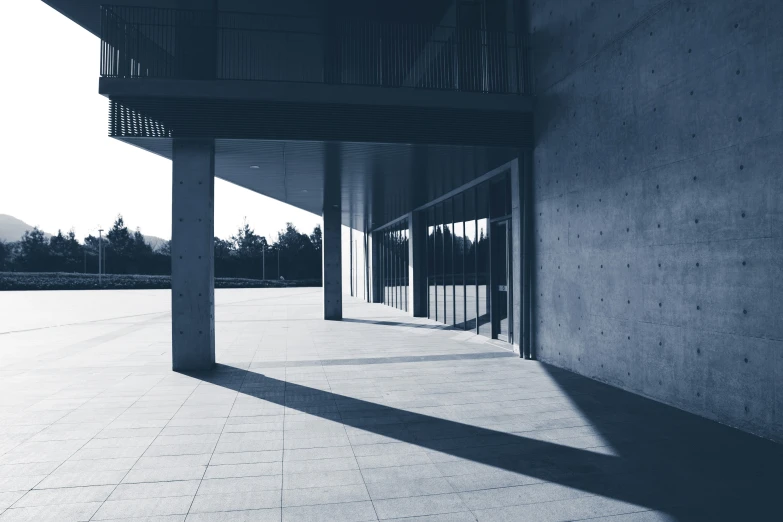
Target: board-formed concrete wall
658 200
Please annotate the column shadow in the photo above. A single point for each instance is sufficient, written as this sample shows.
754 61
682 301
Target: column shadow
666 460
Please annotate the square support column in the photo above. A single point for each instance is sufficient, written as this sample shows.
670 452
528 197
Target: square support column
192 255
528 245
377 278
517 213
417 266
520 210
332 247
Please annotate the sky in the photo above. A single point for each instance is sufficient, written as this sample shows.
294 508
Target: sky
58 167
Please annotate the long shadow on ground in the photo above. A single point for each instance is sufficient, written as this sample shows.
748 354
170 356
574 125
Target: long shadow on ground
667 460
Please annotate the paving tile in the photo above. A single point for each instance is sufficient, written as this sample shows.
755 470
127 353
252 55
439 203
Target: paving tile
64 513
463 516
164 474
8 499
179 449
20 483
318 453
511 496
86 466
418 506
92 478
143 507
308 466
179 488
68 495
172 461
408 488
244 470
240 484
258 499
347 512
416 471
325 495
322 479
559 511
246 457
255 515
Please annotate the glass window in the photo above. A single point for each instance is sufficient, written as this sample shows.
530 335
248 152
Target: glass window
432 298
471 305
395 268
500 196
459 262
439 262
448 262
482 259
401 264
387 290
406 264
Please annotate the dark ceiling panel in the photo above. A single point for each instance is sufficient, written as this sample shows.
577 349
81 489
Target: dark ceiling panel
380 182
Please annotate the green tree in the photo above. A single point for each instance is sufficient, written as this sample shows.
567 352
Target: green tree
65 253
5 256
120 239
33 251
298 257
316 239
247 243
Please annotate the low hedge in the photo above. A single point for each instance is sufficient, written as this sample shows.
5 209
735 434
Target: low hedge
71 281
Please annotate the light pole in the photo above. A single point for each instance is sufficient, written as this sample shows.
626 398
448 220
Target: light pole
278 263
263 261
100 256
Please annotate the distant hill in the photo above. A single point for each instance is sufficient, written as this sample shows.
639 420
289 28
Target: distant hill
12 229
154 241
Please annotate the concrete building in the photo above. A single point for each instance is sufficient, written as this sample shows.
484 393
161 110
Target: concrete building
597 184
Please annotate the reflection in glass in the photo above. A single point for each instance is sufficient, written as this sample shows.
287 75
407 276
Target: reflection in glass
395 269
469 241
448 262
393 259
459 262
482 259
406 264
432 298
439 262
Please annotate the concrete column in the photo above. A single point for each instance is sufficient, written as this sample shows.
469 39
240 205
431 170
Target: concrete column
192 255
520 229
377 283
528 245
332 246
517 254
417 267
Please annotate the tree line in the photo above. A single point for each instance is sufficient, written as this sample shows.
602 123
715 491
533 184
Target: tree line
294 255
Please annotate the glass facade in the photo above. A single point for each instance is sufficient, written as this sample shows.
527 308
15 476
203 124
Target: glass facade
468 260
393 256
458 255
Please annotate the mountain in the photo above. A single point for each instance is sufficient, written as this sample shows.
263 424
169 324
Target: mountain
154 241
12 229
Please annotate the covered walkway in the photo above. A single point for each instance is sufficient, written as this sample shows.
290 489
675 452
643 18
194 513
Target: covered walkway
379 416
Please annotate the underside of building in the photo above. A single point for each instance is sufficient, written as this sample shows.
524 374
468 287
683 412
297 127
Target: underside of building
597 184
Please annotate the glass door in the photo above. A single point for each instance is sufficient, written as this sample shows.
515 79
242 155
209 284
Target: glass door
500 237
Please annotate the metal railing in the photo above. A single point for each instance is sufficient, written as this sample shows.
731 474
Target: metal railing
140 42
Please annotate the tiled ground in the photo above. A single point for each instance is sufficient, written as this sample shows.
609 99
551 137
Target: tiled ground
377 417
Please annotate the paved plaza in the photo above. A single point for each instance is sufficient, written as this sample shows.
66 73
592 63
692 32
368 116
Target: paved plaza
378 417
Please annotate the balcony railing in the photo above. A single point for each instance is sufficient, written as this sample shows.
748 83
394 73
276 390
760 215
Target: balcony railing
186 44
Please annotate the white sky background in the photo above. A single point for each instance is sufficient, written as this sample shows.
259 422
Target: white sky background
59 167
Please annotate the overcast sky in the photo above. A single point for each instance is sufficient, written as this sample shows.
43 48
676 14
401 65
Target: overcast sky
59 167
